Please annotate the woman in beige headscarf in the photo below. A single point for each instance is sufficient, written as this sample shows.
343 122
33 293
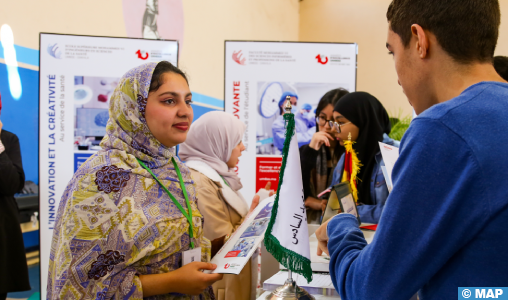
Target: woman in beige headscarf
211 151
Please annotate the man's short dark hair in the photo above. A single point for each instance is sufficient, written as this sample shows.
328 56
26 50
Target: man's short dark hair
501 66
466 29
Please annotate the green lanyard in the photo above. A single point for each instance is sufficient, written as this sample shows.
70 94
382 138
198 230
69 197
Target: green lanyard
188 216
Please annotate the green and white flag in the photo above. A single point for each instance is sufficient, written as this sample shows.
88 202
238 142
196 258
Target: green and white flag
287 237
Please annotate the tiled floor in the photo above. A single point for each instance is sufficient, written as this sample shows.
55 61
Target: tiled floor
33 294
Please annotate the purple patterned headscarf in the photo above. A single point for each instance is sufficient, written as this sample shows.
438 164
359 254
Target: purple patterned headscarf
127 129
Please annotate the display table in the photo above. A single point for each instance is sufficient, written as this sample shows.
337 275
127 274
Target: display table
321 263
318 263
318 297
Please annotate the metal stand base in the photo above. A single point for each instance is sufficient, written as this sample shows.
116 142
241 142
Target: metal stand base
290 291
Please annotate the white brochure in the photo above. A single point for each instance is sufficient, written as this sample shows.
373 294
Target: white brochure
240 247
390 155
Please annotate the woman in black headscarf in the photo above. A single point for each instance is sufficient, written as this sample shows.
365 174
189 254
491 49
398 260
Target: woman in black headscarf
363 117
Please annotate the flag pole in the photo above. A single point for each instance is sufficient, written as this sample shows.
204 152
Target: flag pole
290 290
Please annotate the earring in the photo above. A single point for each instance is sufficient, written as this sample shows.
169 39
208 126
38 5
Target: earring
349 136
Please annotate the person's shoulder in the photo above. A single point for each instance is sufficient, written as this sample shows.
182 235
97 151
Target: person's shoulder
196 176
478 97
8 134
473 104
8 137
201 180
306 148
389 141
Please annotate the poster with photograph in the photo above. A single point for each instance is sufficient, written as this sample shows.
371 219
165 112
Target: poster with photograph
259 76
269 122
77 77
91 103
242 244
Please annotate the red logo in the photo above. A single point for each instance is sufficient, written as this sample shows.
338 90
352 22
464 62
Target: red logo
226 266
237 56
320 60
142 55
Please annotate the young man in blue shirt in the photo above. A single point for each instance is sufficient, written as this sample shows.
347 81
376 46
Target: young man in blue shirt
444 223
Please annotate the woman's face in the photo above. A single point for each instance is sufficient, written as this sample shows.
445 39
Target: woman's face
235 154
346 128
326 114
168 110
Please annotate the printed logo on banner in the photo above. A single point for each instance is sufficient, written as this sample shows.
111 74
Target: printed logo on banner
142 54
320 59
237 57
54 50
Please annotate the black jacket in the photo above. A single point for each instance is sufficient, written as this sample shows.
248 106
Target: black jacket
308 164
308 158
13 267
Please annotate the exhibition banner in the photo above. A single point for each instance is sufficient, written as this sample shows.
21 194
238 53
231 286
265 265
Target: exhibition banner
77 76
258 75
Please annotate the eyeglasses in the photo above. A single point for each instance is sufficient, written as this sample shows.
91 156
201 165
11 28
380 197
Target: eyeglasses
321 121
337 126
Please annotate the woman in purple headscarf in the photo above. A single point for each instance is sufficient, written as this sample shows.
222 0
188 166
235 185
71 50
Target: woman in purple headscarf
129 213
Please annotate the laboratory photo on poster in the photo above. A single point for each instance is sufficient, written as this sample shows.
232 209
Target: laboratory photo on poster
270 125
91 101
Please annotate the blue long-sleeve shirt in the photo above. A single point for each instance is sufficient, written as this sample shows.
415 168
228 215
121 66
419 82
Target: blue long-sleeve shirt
444 223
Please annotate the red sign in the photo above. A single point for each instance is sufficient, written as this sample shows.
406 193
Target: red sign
232 254
267 170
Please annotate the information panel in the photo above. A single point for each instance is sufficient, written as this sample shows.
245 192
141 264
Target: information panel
77 77
258 75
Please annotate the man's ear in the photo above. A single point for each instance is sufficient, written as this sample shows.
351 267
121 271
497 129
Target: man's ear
421 40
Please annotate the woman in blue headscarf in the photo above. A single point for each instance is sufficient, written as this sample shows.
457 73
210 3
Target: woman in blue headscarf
278 127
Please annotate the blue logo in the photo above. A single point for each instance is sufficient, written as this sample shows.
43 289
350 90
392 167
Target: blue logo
483 293
55 51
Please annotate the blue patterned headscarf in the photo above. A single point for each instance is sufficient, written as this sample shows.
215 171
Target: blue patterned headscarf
114 221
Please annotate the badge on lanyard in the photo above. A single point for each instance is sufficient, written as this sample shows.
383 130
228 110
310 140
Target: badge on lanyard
191 255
